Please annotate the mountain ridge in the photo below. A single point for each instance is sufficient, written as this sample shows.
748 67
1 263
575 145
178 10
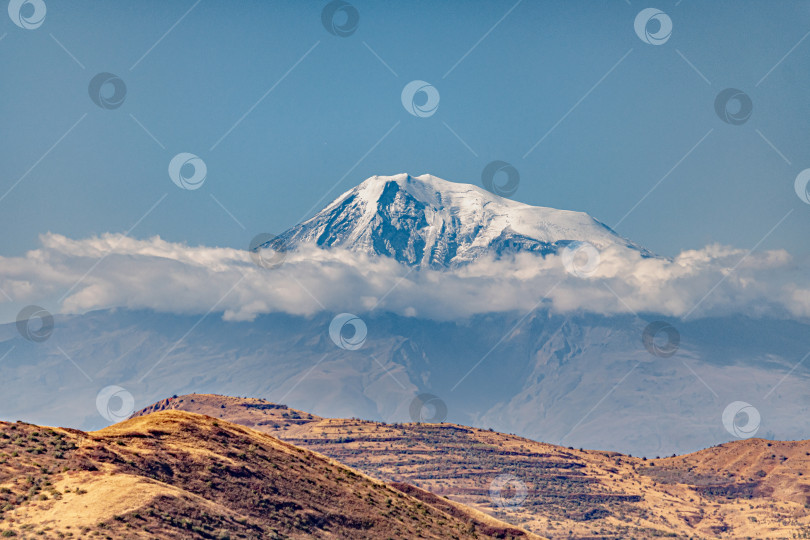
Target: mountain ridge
176 474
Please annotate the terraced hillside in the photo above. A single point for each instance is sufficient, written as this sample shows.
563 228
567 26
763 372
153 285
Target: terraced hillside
736 490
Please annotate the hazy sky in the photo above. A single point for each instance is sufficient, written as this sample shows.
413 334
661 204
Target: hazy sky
306 114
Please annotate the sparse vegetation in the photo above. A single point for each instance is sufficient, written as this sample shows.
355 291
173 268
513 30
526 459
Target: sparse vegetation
593 494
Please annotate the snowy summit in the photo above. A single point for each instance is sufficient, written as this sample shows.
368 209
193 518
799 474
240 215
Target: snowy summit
425 221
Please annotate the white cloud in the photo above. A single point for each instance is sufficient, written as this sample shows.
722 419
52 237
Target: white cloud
116 271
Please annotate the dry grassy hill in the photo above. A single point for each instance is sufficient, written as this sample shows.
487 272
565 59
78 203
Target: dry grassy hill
746 489
175 474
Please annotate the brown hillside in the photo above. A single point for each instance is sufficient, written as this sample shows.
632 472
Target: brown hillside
737 490
175 474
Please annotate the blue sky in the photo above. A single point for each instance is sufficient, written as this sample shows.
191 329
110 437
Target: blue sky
616 115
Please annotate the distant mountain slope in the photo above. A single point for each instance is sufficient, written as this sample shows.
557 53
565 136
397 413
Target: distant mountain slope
179 475
425 221
752 488
548 380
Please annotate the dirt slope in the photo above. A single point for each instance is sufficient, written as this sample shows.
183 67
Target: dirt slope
737 490
175 474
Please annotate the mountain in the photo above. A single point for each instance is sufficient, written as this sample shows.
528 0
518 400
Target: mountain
425 221
579 379
179 475
752 488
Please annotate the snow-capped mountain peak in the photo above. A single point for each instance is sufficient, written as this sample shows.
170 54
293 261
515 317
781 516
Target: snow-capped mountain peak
430 222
